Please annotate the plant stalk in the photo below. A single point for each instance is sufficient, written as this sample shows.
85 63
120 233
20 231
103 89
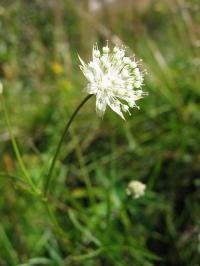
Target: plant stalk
52 166
16 149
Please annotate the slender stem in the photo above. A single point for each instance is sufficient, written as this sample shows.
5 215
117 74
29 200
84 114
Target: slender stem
16 149
52 166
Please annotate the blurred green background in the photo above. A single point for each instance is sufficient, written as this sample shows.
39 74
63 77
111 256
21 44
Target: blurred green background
158 145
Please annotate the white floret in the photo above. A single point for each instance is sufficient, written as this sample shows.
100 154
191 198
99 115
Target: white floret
114 78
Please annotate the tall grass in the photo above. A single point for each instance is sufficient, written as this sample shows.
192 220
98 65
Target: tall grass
158 145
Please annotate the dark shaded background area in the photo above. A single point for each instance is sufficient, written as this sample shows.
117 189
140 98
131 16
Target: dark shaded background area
158 144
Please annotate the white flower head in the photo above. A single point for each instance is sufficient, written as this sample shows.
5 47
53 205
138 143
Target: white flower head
114 78
136 189
1 88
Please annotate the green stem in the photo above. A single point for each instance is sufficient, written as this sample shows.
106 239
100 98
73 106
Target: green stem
23 168
16 149
52 166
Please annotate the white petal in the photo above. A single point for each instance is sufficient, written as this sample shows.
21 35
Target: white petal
100 104
82 62
96 53
91 88
114 105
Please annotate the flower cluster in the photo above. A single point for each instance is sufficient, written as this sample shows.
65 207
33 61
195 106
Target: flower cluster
114 78
136 189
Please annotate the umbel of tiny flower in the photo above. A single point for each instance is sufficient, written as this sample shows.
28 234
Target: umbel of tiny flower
136 189
114 78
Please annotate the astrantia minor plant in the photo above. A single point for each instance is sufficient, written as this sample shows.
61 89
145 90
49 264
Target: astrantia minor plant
115 79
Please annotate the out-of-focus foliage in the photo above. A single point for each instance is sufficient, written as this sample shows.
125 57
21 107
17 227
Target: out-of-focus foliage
158 145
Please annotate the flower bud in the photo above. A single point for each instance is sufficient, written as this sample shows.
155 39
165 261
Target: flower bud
136 189
125 73
126 60
106 49
136 71
133 64
96 53
137 84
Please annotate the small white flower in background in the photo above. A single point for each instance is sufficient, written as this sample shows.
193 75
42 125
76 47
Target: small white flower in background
136 189
1 88
114 78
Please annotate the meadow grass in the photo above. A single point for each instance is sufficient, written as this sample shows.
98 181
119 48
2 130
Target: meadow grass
158 144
